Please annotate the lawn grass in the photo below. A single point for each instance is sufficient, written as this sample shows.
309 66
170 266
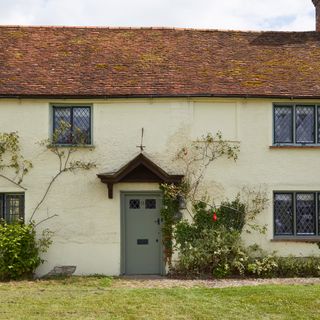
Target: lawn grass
95 298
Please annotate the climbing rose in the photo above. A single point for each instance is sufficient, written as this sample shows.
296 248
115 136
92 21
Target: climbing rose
214 217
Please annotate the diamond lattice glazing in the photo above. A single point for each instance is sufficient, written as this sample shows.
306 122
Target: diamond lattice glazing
305 124
283 209
305 211
283 124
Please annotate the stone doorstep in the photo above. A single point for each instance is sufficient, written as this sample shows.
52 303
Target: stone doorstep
61 271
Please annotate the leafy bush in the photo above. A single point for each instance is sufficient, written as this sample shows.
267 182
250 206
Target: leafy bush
232 214
212 252
211 244
273 266
20 250
187 233
264 267
298 266
230 217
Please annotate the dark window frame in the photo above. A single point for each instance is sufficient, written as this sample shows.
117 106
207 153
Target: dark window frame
295 234
54 107
294 142
4 197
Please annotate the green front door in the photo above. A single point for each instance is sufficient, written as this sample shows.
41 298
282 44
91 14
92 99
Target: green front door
142 233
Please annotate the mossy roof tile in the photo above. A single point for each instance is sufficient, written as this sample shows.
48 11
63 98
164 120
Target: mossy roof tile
140 62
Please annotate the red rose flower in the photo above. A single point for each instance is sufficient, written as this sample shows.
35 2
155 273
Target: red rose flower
214 217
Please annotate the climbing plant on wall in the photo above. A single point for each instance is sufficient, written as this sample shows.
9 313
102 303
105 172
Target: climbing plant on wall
20 249
195 159
169 211
67 161
13 165
205 215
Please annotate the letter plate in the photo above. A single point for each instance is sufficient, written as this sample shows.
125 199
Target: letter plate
142 241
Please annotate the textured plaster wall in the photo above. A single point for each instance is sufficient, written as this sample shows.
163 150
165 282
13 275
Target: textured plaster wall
87 229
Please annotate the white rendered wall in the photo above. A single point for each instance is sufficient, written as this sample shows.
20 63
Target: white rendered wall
87 229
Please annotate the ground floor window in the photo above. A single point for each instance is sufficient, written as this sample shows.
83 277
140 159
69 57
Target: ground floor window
296 213
11 206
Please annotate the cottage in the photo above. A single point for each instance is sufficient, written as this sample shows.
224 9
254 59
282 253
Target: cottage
260 89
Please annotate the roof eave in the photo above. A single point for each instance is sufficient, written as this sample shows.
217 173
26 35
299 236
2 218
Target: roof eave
130 96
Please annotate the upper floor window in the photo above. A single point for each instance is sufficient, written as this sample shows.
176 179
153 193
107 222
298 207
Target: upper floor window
71 125
11 207
296 124
296 214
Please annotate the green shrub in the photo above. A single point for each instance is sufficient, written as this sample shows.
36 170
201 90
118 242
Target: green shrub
211 244
20 250
230 217
186 233
264 267
298 266
232 214
271 265
215 252
211 251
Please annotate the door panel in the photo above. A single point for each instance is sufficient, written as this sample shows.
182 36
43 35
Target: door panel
142 234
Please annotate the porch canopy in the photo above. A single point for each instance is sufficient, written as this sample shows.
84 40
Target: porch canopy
139 169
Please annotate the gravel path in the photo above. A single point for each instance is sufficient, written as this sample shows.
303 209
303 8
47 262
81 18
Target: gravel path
145 282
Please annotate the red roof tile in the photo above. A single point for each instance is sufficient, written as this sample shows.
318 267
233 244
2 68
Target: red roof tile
111 62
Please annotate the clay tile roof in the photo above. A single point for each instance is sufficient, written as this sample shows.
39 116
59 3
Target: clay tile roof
119 62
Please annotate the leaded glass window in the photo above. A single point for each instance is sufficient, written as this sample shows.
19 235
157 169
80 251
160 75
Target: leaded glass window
11 207
150 204
72 125
296 214
134 204
296 124
318 122
283 132
305 212
283 214
305 123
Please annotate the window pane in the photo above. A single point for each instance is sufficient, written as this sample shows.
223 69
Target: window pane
283 128
283 214
81 125
318 124
318 213
305 211
151 203
14 207
1 206
62 125
134 204
305 127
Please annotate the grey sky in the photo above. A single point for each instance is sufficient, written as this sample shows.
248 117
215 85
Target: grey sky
217 14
